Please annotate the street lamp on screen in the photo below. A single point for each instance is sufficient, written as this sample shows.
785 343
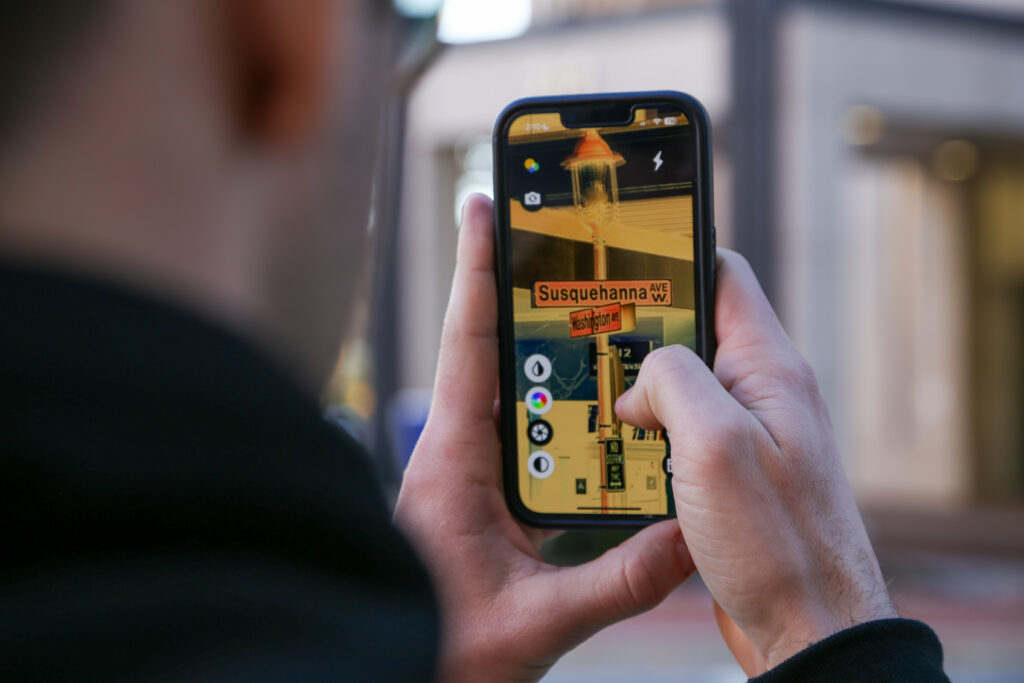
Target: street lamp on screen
595 195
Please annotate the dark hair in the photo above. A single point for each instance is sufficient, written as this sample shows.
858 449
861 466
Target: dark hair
34 36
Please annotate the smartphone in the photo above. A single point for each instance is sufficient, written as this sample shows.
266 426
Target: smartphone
605 251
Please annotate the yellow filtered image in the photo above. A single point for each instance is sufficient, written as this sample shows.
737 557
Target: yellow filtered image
602 270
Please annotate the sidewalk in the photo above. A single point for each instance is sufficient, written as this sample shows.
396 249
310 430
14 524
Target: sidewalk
981 625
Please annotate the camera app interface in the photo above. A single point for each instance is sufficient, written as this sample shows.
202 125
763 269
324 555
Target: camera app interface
602 273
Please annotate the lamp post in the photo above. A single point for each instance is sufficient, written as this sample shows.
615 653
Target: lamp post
595 194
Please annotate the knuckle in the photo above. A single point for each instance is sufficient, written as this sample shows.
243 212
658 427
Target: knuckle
723 436
650 364
800 377
664 360
640 587
660 377
718 450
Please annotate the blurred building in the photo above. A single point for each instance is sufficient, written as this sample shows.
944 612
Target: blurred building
869 161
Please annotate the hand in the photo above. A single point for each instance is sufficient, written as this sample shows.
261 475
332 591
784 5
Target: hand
506 614
760 494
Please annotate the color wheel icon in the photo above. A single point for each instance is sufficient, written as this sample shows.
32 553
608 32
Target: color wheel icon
531 165
538 400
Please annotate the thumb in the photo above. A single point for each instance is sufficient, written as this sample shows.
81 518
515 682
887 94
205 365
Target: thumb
459 440
627 580
462 411
677 391
467 368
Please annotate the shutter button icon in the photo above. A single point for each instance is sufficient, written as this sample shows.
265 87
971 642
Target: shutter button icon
539 432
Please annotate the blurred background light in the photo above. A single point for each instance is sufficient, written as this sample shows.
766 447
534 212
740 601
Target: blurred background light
955 160
863 125
418 9
475 21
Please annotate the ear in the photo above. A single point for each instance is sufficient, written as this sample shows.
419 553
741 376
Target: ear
281 64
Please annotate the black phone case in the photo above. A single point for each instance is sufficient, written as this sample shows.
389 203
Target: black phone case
704 268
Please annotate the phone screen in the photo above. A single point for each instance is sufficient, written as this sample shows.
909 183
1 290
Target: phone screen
601 262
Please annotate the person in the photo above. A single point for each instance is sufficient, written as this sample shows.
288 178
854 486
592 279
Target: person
183 202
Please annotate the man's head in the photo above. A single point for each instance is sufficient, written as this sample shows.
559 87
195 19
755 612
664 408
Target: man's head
218 153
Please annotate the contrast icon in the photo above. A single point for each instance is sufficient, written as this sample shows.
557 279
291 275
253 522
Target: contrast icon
541 465
537 368
531 165
538 400
539 432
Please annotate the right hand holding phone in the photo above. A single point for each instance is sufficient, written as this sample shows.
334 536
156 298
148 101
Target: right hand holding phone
760 494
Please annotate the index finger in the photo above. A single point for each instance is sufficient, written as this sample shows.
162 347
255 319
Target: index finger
743 316
751 339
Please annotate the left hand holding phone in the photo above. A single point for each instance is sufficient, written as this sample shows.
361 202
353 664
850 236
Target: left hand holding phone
506 613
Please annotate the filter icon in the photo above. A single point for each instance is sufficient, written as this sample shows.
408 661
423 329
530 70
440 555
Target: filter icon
537 368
